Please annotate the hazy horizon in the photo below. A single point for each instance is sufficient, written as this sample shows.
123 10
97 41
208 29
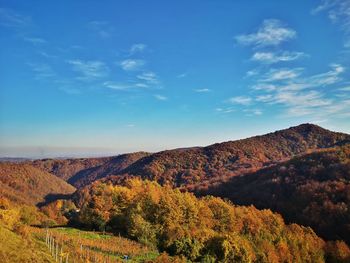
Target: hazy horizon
41 152
89 79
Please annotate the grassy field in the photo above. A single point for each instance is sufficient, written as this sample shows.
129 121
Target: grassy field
86 246
28 244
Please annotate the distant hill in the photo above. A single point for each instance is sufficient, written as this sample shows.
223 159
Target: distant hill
83 171
13 159
25 184
312 190
223 160
190 167
113 165
67 168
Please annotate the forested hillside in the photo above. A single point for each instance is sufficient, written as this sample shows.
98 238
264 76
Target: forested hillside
220 161
200 165
22 242
302 173
312 190
67 168
114 165
25 184
205 230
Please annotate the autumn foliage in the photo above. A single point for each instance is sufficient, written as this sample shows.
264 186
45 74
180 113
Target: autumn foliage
25 184
191 167
312 190
207 229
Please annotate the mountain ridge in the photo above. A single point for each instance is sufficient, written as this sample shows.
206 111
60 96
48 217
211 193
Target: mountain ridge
186 167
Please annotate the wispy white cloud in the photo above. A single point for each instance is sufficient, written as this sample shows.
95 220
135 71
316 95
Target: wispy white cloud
117 86
225 110
271 57
70 90
141 85
251 73
89 70
339 13
35 40
330 77
42 70
124 85
305 103
46 55
300 99
10 18
202 90
242 100
137 48
253 112
272 32
264 86
102 28
297 103
345 89
291 89
132 64
68 86
301 95
281 74
21 24
160 97
149 77
325 4
182 75
257 112
146 80
264 98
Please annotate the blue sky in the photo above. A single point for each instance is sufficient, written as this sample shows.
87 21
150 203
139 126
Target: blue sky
81 78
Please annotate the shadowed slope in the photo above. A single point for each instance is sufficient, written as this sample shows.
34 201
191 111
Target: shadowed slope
67 168
313 190
113 166
23 183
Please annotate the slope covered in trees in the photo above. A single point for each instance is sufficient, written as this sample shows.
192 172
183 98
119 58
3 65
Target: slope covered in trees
206 230
200 165
21 242
301 172
23 183
81 172
114 165
217 162
67 168
312 190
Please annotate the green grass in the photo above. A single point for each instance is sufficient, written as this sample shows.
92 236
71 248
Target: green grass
107 245
145 257
73 232
30 246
